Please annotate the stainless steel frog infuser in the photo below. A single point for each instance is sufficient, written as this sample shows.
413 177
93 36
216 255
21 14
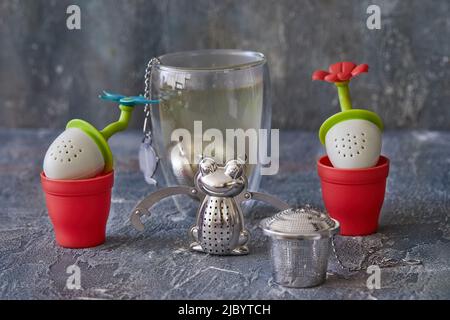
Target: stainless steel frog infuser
220 224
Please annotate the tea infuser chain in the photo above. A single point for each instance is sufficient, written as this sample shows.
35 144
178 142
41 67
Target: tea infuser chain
148 159
147 93
383 263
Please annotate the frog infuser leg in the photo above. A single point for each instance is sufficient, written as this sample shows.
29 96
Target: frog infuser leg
194 233
195 246
239 251
242 249
244 237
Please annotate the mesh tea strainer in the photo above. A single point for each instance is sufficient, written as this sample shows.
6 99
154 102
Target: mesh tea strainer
301 243
300 246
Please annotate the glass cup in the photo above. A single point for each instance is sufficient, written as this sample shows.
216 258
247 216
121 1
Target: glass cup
202 90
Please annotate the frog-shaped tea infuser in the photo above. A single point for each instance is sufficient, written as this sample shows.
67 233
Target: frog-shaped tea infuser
220 224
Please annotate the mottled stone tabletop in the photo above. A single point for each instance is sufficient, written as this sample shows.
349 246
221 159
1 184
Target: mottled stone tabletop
155 264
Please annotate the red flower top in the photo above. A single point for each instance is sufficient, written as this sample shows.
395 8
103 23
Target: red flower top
340 72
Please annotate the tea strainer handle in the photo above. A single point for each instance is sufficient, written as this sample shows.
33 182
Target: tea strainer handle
277 203
143 207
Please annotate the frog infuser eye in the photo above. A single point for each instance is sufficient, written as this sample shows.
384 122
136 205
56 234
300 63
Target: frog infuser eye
234 169
207 166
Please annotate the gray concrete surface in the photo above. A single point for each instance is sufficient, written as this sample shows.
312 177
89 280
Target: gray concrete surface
155 264
50 74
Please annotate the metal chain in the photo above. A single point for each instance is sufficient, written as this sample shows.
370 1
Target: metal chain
148 94
341 264
383 263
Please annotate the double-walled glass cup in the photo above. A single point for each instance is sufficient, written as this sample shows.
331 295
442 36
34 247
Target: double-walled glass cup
202 94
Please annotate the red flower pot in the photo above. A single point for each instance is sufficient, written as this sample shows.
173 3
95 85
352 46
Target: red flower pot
354 197
79 209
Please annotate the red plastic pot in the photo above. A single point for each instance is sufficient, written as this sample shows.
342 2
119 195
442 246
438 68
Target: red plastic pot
79 209
354 197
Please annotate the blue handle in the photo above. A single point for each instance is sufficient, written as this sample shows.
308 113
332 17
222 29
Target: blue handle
126 101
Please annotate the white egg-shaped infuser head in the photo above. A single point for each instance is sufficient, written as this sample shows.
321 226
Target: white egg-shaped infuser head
354 143
73 155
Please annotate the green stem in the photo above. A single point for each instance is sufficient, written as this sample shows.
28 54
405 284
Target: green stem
344 95
120 125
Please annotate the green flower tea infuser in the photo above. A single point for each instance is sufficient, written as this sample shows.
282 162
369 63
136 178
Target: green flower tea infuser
352 137
82 151
78 177
353 175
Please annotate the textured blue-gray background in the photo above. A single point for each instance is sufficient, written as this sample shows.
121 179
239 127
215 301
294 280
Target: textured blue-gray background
49 74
